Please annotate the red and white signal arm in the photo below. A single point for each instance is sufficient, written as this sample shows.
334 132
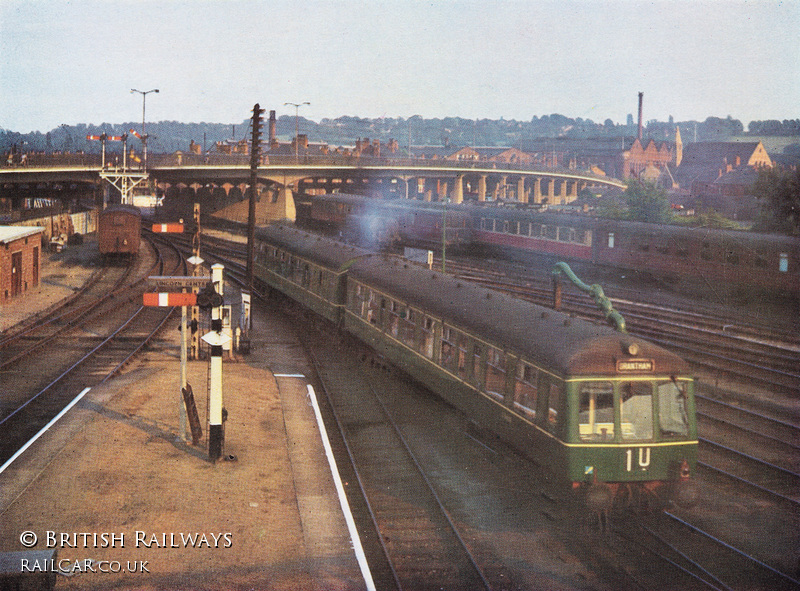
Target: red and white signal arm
169 299
173 228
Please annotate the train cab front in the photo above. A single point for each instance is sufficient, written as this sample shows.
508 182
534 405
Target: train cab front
635 436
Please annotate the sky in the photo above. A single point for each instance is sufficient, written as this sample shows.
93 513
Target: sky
76 61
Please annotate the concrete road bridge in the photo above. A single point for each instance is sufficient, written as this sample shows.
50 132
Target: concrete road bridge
184 176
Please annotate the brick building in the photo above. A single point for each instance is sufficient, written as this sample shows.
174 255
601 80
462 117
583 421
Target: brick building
20 260
721 175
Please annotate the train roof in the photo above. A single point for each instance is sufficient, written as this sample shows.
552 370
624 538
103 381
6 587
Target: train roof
567 346
511 211
563 344
329 253
119 207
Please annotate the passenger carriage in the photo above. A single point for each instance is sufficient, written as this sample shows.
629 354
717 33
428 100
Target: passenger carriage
588 403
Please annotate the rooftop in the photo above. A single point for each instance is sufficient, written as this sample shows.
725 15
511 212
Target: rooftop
11 233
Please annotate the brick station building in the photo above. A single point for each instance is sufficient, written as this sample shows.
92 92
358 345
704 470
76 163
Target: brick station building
20 260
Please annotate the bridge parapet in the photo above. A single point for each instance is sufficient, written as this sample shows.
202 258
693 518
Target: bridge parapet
235 168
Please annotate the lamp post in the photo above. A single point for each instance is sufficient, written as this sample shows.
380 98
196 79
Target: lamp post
296 122
144 94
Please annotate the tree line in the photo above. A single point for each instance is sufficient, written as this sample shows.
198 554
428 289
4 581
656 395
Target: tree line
172 136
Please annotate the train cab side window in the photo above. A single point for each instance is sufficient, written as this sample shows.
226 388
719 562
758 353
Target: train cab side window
673 420
596 411
525 390
553 406
611 239
783 262
636 410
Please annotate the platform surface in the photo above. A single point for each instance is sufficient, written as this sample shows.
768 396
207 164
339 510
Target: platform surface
112 482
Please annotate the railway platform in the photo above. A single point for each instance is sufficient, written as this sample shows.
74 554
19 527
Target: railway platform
128 505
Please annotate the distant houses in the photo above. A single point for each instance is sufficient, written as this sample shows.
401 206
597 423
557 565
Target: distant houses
719 175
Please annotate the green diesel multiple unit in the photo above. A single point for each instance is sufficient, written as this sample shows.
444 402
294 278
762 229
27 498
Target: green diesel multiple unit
591 404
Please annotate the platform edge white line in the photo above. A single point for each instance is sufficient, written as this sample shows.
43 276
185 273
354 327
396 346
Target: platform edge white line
348 515
42 431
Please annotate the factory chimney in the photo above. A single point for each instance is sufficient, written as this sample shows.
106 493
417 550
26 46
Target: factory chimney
641 94
273 127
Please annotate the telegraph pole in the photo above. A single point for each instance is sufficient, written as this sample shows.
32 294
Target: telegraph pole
255 153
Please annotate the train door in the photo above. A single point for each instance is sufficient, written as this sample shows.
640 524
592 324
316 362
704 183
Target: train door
16 273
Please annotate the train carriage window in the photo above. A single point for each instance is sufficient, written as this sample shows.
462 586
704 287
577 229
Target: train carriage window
525 390
495 372
530 228
673 419
463 358
611 239
408 325
636 410
426 342
550 232
394 318
596 411
505 227
449 349
373 308
783 262
477 369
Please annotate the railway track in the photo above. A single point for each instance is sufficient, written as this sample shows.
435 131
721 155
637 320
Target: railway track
702 560
111 332
697 573
418 535
70 315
